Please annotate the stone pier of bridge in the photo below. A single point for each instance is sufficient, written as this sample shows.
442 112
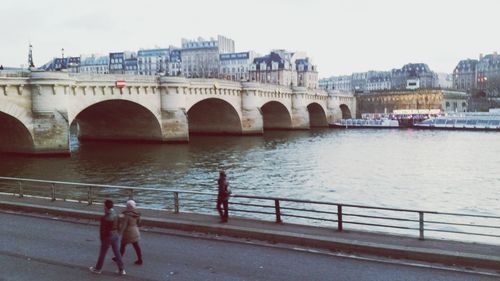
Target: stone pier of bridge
37 109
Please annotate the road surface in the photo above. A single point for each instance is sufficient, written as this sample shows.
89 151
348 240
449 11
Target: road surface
43 248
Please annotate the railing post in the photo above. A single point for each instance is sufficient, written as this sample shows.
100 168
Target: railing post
421 225
339 218
53 192
277 210
21 190
89 196
131 194
176 202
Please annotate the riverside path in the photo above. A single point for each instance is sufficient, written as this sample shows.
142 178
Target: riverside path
42 247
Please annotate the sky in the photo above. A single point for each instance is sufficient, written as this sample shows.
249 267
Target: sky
341 36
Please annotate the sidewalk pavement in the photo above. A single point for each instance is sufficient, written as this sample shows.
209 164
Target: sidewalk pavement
353 242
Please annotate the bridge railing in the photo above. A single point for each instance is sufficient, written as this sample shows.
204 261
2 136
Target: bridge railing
14 74
339 216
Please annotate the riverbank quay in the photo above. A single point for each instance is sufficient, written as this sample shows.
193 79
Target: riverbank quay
349 242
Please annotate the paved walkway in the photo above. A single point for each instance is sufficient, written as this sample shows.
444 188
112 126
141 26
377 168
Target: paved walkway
429 250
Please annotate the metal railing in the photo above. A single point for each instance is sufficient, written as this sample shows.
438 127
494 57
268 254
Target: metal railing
319 213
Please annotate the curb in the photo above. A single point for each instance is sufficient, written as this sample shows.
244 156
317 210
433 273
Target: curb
324 242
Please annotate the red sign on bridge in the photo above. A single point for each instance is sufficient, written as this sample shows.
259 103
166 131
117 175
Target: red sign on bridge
120 84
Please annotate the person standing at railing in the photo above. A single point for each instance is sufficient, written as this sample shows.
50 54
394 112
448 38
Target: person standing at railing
223 196
129 229
108 233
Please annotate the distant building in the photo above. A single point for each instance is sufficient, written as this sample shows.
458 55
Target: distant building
464 75
117 61
341 83
235 66
414 71
410 76
71 64
131 66
326 84
413 100
488 72
307 74
174 67
378 80
285 68
274 68
359 82
153 61
96 64
200 58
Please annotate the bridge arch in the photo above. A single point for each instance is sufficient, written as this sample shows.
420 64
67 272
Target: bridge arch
276 116
214 116
14 135
317 115
117 120
19 113
346 112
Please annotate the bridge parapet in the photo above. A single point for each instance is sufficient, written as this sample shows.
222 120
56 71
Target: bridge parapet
113 77
13 74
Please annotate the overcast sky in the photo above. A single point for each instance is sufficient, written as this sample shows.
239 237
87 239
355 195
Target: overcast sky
342 36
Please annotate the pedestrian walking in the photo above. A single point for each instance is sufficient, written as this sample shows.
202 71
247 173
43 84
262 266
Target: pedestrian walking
108 233
223 197
130 230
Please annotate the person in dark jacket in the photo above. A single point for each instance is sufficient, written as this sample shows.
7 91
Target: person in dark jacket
130 230
223 197
108 233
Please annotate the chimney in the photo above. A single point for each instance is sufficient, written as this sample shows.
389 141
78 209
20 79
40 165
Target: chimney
495 54
480 56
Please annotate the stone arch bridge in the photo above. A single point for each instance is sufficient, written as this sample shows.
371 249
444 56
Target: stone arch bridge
37 109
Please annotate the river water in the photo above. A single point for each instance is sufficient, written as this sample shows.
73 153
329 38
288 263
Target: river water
450 171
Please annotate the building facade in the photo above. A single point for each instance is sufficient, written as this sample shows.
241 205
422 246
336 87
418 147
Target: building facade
200 58
131 66
427 79
94 64
71 64
464 75
359 82
285 68
236 66
117 63
342 83
488 73
153 61
174 65
412 100
307 73
274 68
396 79
378 80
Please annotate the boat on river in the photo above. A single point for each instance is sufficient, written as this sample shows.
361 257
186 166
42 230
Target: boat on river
476 121
366 123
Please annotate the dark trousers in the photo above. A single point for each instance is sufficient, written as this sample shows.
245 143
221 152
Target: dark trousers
223 208
105 244
137 249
